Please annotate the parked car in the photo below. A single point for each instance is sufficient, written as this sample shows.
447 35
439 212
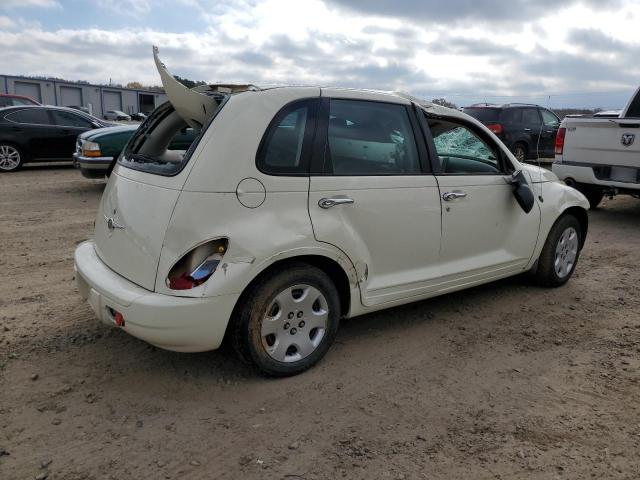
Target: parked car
601 156
97 149
116 115
78 107
139 117
298 206
529 131
37 133
8 100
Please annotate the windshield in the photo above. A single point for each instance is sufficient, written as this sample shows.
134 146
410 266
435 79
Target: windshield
483 114
163 143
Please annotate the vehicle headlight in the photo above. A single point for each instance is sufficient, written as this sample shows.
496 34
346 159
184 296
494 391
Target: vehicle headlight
91 149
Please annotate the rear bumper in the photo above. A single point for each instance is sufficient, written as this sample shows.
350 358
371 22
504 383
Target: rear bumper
174 323
586 175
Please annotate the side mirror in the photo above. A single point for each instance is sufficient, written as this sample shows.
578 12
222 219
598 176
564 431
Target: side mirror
522 191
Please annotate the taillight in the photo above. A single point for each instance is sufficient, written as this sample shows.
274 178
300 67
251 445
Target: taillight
197 266
495 128
562 132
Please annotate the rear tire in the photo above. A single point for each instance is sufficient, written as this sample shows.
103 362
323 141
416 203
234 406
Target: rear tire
560 253
287 321
11 158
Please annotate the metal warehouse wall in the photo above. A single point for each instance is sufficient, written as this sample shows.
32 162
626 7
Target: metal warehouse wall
50 92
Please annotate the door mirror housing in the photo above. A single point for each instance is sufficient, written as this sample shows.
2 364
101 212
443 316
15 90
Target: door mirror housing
522 191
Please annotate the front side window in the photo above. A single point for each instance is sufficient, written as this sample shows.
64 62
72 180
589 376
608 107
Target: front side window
549 119
461 151
370 138
33 116
68 119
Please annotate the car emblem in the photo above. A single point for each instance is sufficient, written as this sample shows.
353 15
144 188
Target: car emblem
112 224
627 139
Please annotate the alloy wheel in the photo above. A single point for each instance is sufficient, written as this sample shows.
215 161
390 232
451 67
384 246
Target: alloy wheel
9 158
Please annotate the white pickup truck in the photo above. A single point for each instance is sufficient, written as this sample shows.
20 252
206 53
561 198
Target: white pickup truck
601 156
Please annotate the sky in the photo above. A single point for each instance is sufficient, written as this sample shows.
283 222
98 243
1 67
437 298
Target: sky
580 53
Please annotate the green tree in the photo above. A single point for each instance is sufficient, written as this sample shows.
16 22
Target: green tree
444 103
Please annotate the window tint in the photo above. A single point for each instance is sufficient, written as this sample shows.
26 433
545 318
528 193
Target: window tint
483 114
634 107
369 138
282 151
461 150
530 116
69 119
549 118
511 116
36 116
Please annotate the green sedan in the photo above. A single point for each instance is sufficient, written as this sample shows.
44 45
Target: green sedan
97 149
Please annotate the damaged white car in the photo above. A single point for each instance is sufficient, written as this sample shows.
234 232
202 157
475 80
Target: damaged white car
298 206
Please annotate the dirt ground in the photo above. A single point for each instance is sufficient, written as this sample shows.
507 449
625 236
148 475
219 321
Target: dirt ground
505 381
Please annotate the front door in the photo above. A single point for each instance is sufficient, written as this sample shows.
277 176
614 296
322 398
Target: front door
485 233
371 198
550 125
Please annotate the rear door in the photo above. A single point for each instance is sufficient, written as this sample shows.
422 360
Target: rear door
34 129
371 197
69 126
532 126
485 233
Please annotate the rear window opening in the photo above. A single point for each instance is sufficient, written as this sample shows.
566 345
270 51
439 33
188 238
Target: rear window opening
164 142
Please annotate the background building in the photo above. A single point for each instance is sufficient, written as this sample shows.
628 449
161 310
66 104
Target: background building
98 98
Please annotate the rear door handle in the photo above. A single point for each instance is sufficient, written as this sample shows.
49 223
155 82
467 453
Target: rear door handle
527 129
448 196
333 201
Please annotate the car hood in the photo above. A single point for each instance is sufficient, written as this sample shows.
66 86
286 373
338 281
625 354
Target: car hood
99 132
539 174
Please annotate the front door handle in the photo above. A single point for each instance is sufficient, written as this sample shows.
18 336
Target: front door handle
448 196
527 129
333 201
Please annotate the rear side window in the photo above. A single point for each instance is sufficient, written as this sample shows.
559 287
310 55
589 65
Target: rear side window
483 114
162 144
370 138
511 116
531 116
286 145
33 116
69 119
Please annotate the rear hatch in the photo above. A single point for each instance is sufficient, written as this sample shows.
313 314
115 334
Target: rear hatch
143 189
612 141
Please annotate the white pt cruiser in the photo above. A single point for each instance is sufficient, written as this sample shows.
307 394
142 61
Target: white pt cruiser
298 206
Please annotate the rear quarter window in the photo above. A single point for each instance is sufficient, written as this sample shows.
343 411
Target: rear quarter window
163 143
483 114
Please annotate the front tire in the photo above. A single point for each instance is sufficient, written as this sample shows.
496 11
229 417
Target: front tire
11 158
560 253
519 151
287 321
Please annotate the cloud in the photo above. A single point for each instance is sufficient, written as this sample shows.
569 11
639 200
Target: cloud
7 4
6 22
463 10
315 42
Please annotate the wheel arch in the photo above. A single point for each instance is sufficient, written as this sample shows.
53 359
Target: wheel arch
331 267
583 218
